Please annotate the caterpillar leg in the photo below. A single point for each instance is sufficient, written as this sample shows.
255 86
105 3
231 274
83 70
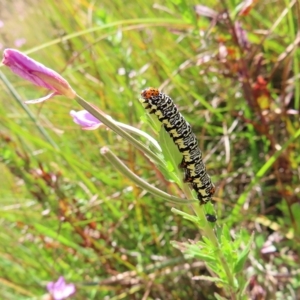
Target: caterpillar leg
183 164
203 200
187 177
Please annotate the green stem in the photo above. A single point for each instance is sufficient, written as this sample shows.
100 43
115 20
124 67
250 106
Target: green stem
134 130
163 22
113 126
120 166
210 234
199 210
26 109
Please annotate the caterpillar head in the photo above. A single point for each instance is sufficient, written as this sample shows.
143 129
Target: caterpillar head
150 92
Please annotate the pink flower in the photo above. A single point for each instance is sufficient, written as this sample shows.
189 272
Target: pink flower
86 120
37 73
59 290
241 36
20 42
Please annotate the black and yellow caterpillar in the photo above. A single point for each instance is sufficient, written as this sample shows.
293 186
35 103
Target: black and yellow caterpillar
160 104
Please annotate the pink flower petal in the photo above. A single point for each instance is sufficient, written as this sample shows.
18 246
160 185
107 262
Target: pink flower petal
86 120
60 290
40 99
20 42
36 72
205 11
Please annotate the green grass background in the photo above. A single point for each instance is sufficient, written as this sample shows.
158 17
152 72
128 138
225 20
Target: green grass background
65 211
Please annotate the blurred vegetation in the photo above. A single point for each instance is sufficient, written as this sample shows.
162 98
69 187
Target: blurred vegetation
232 70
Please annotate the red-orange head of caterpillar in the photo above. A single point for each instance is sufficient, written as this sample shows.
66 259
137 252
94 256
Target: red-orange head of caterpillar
149 92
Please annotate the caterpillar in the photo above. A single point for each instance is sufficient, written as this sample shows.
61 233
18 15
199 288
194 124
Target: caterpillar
160 104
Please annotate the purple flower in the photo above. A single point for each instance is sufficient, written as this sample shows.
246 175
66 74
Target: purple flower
86 120
37 73
59 290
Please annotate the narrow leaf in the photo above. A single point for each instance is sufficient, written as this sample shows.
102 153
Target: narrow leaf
218 297
243 256
208 278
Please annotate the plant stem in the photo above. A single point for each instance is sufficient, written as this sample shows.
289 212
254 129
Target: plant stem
113 126
198 210
209 233
136 131
118 164
28 112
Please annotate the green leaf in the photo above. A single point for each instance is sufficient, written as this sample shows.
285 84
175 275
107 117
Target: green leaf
219 231
172 156
218 297
185 215
205 257
197 252
59 237
243 287
225 234
170 150
243 256
209 278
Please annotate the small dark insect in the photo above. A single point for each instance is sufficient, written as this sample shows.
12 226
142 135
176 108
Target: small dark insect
160 104
211 218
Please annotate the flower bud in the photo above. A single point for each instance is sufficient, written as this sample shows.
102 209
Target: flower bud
36 73
86 120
